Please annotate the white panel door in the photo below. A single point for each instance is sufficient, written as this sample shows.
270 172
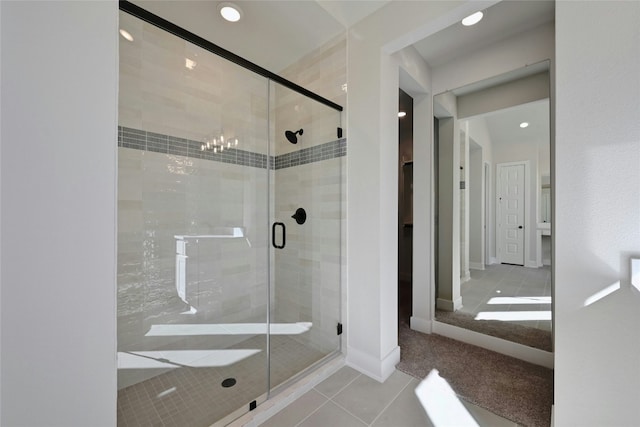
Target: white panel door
511 188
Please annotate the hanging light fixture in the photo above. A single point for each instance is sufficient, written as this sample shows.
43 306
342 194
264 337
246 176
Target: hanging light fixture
218 143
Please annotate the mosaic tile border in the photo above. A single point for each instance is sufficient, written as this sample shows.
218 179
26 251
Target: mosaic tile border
166 144
329 150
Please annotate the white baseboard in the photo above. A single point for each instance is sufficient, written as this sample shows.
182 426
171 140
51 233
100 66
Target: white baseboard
420 325
448 305
493 260
371 366
531 264
476 266
519 351
465 277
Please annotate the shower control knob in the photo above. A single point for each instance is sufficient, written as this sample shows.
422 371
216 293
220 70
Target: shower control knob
300 216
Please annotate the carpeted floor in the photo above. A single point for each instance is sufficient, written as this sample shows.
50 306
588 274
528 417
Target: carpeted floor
511 388
525 335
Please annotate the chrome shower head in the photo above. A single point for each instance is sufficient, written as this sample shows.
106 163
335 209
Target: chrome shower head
291 136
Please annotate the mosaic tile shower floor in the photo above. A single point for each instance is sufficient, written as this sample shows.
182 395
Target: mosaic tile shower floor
193 397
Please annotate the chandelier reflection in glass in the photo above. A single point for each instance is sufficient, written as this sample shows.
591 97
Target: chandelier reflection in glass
218 143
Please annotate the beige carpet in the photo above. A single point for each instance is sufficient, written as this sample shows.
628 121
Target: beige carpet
511 388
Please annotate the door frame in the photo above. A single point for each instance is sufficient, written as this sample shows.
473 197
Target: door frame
488 259
527 210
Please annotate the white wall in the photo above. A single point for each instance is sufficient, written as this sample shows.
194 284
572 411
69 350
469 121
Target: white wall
478 130
415 79
523 91
372 127
511 54
59 110
476 207
597 213
1 37
372 161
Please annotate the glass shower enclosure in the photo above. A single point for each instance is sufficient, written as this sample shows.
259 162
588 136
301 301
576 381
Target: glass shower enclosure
229 231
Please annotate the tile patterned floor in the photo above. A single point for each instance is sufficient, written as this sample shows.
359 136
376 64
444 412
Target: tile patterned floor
348 398
195 397
508 281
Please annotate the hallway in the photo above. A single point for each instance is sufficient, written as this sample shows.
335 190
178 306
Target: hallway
506 301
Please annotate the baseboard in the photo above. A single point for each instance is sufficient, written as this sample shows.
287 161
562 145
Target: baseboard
465 277
373 367
493 260
476 266
531 264
519 351
420 325
447 305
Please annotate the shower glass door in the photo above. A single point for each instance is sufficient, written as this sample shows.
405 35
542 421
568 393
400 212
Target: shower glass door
307 223
230 231
193 232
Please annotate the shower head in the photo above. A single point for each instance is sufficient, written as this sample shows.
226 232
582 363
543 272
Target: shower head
291 136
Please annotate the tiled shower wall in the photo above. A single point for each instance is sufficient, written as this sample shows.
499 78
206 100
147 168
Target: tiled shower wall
168 187
308 277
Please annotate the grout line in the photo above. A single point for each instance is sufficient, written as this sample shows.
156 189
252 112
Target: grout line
312 412
339 391
392 400
349 412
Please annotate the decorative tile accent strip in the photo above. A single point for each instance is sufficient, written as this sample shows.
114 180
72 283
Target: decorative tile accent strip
329 150
159 143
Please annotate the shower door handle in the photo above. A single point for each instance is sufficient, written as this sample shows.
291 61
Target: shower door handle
273 235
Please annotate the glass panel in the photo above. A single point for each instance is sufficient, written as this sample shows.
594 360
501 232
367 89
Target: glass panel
305 295
192 232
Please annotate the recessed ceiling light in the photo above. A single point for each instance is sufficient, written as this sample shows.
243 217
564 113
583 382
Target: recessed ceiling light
401 114
230 11
472 19
524 125
126 35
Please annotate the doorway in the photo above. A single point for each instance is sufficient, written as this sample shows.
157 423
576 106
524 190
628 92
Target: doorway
508 291
511 193
405 206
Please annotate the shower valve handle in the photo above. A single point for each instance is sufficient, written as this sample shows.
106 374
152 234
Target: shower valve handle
300 216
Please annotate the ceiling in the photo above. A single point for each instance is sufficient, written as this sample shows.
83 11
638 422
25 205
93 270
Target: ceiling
276 33
501 21
504 125
272 33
